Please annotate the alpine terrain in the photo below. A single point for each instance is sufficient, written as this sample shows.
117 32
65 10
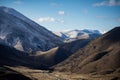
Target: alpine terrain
18 31
73 35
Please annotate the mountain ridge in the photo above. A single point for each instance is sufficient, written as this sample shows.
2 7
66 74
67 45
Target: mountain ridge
24 34
72 35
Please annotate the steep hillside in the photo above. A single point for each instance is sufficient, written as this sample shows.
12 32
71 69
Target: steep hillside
99 56
18 31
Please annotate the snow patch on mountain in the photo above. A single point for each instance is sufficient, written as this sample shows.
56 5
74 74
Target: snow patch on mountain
18 46
72 35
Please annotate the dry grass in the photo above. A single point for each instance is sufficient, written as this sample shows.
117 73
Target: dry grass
35 74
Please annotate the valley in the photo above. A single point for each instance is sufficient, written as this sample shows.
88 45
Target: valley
29 51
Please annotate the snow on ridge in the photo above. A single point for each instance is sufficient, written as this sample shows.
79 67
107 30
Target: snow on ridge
78 34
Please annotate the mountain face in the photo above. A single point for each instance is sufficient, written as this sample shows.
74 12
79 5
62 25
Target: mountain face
72 35
18 31
100 56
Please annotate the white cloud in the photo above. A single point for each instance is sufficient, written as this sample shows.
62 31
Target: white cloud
50 19
46 19
108 3
17 2
60 20
61 12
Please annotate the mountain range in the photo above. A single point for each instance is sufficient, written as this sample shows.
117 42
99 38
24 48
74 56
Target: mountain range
72 35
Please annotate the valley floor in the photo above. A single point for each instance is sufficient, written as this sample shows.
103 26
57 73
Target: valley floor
35 74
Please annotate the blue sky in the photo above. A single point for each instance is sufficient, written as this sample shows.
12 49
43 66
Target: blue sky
58 15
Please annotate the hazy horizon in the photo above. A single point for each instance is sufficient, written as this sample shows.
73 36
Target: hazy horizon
59 15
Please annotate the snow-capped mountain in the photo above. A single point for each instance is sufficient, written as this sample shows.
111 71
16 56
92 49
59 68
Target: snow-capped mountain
20 32
78 34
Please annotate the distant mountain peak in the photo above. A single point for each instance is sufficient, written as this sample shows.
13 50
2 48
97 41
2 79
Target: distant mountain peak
91 31
75 34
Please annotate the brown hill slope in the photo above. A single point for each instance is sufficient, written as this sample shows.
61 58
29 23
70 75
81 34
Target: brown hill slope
58 54
100 56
